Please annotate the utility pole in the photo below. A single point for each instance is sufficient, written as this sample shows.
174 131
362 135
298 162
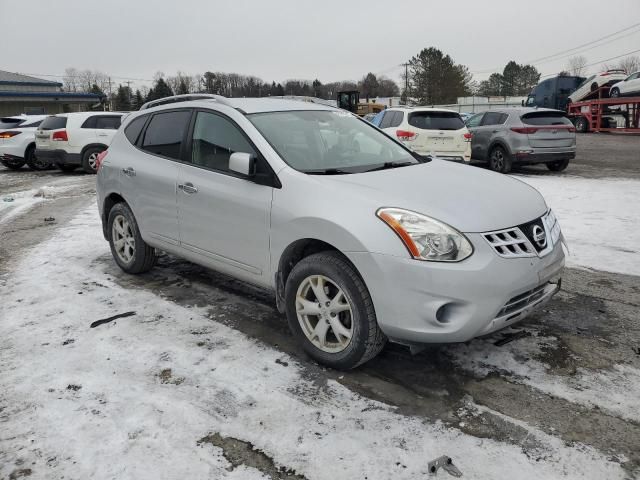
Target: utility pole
406 81
128 82
110 106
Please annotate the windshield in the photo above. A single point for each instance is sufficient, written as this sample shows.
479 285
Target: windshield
321 141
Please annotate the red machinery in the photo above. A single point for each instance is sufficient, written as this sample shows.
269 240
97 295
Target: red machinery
598 113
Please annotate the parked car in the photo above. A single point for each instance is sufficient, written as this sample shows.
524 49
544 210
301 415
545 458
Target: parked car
370 116
377 118
465 116
7 123
628 86
18 145
524 136
429 131
72 140
361 239
594 82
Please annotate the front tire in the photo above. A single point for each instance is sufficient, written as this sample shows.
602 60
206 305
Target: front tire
90 158
13 164
129 250
558 165
499 160
35 163
331 313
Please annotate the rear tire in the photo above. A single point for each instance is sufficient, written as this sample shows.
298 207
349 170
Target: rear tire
582 126
337 327
129 250
614 93
558 166
499 160
13 164
33 162
89 158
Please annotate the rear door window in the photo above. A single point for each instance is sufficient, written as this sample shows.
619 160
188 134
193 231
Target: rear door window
475 120
494 118
108 123
53 123
387 119
397 119
28 124
165 133
545 118
436 120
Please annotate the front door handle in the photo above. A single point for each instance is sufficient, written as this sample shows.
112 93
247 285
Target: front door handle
130 172
188 188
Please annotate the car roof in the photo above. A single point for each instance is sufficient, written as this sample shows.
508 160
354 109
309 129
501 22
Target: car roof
85 114
421 109
248 105
522 110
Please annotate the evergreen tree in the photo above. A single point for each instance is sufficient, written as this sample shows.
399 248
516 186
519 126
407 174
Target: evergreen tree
137 101
122 100
182 88
160 90
436 79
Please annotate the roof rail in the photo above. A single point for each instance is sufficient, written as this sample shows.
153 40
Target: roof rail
186 98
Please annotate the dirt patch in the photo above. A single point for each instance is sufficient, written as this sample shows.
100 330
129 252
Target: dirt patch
166 376
20 473
238 452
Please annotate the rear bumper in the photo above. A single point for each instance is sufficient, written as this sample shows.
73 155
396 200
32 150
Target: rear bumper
544 157
12 152
60 157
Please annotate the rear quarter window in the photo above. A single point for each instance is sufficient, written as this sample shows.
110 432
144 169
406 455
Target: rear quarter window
545 118
436 120
53 123
132 131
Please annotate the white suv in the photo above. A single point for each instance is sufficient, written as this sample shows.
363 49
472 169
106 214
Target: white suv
429 131
72 140
18 145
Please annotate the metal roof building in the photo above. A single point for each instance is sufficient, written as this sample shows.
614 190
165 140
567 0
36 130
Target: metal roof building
31 95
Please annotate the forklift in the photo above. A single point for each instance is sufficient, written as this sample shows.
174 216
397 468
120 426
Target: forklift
350 100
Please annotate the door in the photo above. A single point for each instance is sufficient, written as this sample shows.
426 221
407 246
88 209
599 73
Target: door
473 124
150 174
223 217
489 129
631 85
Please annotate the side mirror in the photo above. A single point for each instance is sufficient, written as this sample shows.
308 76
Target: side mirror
242 163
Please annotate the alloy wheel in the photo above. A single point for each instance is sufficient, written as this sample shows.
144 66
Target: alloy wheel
324 313
123 240
93 159
497 160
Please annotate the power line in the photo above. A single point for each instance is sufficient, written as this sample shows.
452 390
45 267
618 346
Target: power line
599 61
539 60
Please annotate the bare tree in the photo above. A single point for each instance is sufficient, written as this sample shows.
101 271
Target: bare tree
70 79
576 65
630 64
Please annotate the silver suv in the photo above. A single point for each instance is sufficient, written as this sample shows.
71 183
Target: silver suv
524 136
360 239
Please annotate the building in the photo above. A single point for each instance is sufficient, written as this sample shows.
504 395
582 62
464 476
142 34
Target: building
30 95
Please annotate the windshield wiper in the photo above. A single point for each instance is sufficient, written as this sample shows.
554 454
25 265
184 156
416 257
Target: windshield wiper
327 171
388 165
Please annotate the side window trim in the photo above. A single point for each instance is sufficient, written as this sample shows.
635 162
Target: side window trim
188 149
185 137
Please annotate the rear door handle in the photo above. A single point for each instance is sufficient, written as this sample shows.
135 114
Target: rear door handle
188 188
130 172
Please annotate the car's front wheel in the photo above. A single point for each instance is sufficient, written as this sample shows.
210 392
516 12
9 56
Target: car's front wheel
35 163
90 159
13 164
499 160
558 165
129 250
331 313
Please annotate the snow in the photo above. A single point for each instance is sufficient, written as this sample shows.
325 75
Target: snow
600 219
127 421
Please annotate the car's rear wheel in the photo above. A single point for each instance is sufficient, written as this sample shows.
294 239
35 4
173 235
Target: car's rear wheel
331 313
35 163
499 160
582 126
614 93
90 159
13 164
129 250
558 165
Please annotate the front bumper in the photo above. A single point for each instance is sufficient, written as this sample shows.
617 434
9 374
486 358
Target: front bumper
59 157
428 302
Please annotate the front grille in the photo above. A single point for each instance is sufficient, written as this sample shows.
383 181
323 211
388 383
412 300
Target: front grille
535 238
521 301
510 243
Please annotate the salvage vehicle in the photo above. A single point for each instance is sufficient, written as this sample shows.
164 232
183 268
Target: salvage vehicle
594 82
360 239
72 140
628 86
524 136
18 145
429 131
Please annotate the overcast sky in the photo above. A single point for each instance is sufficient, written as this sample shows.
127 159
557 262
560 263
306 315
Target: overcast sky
282 39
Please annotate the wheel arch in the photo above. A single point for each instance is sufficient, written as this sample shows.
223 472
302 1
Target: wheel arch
498 143
92 145
109 202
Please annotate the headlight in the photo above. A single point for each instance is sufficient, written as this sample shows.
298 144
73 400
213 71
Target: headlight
425 237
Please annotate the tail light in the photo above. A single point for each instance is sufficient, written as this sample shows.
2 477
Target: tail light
572 129
100 159
525 130
405 136
468 137
9 134
60 136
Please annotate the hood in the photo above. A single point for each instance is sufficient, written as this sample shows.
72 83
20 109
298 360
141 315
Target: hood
468 198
